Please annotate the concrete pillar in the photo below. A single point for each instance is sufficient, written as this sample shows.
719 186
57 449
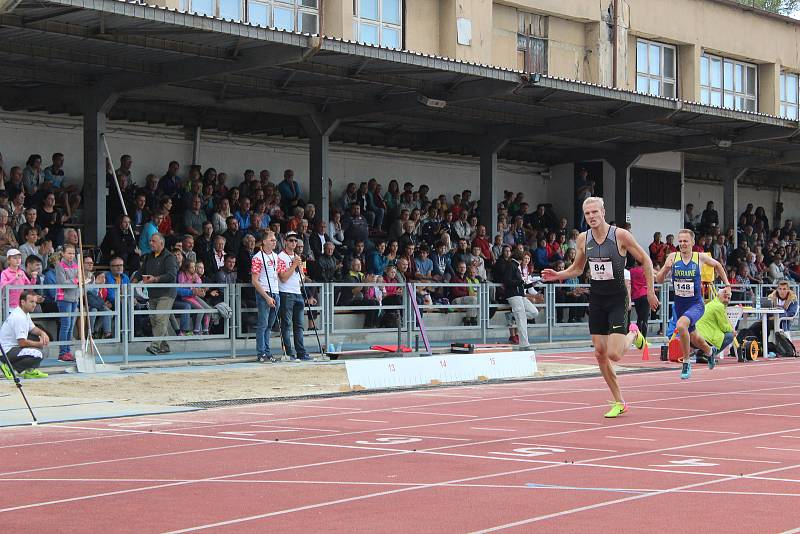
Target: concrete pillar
196 145
730 200
769 93
94 169
319 133
621 190
489 193
689 72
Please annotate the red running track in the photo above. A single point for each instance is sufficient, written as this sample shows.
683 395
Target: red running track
717 453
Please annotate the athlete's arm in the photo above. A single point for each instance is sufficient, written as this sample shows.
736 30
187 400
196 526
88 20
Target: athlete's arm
629 244
574 270
718 267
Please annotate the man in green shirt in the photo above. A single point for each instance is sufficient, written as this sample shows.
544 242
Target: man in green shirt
714 325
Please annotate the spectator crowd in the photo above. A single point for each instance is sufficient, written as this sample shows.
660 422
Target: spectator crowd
200 226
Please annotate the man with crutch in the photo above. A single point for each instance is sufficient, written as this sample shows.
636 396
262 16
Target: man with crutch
21 354
292 303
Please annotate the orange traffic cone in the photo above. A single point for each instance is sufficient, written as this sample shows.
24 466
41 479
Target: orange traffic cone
645 352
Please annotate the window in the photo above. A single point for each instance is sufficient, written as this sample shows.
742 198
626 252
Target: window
378 22
788 91
226 9
727 83
655 68
532 41
292 15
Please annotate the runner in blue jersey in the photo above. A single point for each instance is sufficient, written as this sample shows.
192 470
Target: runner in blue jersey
689 307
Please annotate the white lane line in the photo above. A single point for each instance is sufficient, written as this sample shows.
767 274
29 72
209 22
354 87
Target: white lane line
778 449
435 413
425 437
324 407
720 458
639 406
260 425
627 437
791 437
570 447
793 531
367 421
772 414
691 430
553 421
494 475
554 402
494 429
623 500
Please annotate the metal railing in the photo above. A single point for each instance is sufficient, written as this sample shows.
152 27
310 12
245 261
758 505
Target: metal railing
339 318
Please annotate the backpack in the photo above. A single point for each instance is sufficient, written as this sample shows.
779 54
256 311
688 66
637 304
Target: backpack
784 346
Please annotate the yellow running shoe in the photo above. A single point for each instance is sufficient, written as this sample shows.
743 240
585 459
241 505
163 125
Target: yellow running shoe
4 369
617 408
639 341
34 373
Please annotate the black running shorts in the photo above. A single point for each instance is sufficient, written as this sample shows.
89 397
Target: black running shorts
608 315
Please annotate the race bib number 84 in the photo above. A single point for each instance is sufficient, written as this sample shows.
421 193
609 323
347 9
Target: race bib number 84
601 270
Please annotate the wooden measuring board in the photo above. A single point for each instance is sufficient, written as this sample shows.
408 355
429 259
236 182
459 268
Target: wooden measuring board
416 371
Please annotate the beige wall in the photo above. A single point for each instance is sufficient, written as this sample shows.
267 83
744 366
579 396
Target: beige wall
582 42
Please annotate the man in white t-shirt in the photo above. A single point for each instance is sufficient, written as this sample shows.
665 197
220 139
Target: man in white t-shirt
264 275
291 299
22 353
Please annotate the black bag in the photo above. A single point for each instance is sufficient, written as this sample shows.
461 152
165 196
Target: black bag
784 346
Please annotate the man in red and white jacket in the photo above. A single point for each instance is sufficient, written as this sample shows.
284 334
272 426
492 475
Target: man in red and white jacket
264 275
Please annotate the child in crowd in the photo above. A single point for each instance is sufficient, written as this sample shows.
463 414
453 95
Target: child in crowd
67 300
188 276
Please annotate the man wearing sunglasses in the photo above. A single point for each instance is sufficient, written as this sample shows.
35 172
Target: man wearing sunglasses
291 299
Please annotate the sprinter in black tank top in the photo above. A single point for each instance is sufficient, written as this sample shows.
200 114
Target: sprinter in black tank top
605 247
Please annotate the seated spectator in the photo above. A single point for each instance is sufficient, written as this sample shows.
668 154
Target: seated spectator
227 274
291 194
166 228
398 227
118 277
16 211
149 230
244 259
68 194
96 300
233 237
295 221
462 253
657 249
354 296
29 246
187 248
463 294
243 215
423 264
442 263
541 258
32 177
335 231
392 296
119 241
408 237
14 275
326 267
188 276
7 238
139 213
462 228
194 218
204 243
24 354
30 222
375 202
355 226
